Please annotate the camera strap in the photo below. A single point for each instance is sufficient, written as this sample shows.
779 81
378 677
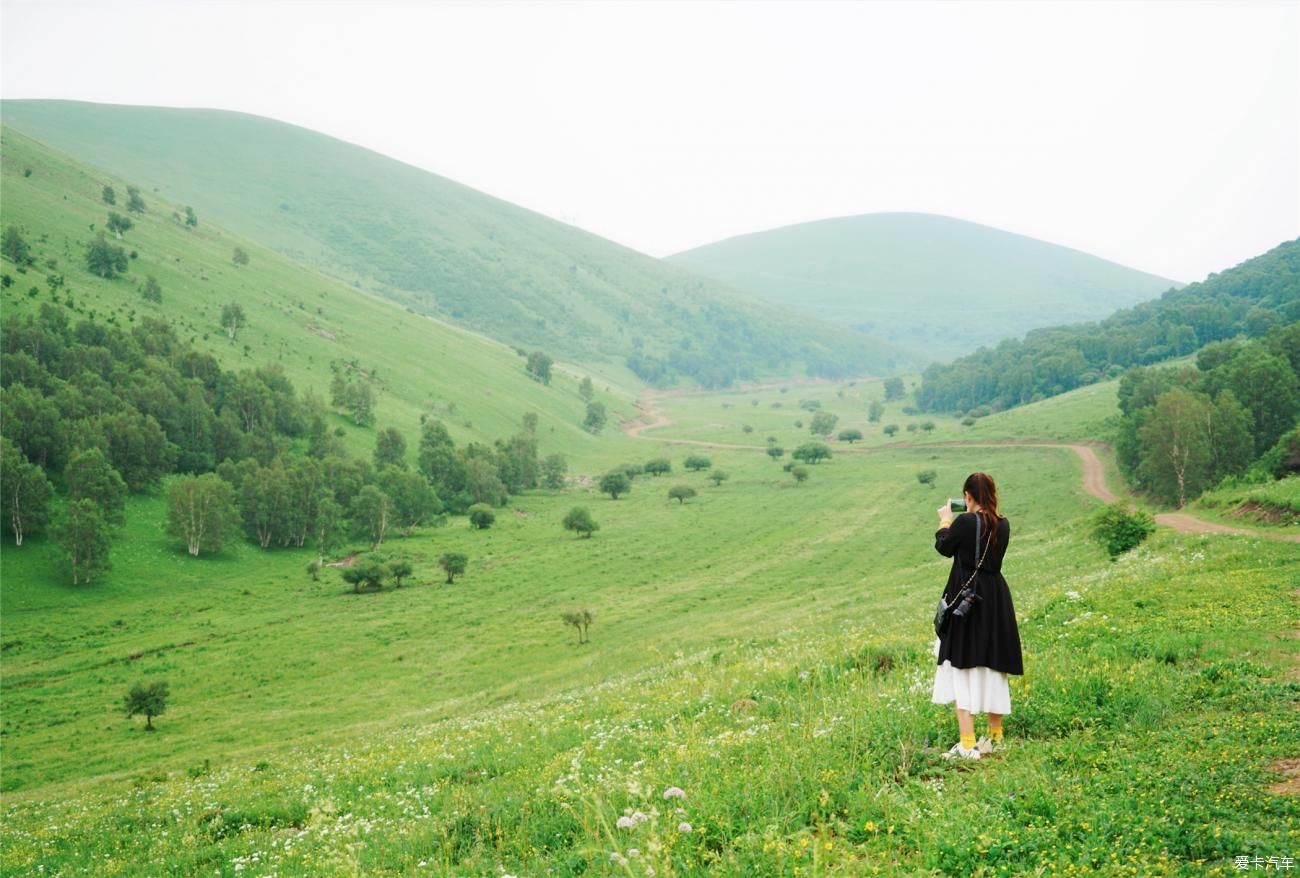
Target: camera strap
980 562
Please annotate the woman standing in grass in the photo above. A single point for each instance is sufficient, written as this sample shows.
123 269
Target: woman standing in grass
977 651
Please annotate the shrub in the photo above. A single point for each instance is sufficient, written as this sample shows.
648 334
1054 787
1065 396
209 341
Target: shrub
681 493
454 564
696 462
481 516
1119 530
579 521
926 476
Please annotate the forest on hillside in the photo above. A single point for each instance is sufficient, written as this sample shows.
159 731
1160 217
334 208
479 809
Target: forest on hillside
1248 300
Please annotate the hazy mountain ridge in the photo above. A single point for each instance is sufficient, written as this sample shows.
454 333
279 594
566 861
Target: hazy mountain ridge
442 248
923 280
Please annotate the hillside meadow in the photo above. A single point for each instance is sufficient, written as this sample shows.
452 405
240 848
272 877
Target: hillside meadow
296 318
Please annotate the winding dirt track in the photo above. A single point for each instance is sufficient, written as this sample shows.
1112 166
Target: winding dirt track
1094 473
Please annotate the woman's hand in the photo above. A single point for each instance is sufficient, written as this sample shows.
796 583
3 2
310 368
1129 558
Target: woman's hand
945 515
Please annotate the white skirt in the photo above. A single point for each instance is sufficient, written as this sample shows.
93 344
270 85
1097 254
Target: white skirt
977 690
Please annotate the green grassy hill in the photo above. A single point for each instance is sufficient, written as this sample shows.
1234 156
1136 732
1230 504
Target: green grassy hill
443 249
297 318
938 285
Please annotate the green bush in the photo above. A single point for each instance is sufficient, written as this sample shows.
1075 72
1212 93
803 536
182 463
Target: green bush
1119 530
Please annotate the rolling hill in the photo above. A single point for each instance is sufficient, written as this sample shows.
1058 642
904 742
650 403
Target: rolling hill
938 285
446 250
296 318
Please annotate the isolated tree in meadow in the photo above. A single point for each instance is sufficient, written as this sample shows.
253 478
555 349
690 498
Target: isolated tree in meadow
539 366
26 492
360 402
911 428
481 516
585 389
239 256
232 320
696 462
399 570
615 483
890 430
850 436
823 423
15 247
927 426
718 477
812 452
118 224
580 620
201 511
659 466
152 291
554 467
776 452
372 514
109 195
875 410
799 474
390 449
596 417
191 218
453 564
149 699
579 521
927 476
84 538
681 493
134 203
104 259
365 577
89 476
631 470
894 389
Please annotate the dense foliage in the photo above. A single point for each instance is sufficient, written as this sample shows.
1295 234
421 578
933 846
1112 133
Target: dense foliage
101 411
1183 429
1248 300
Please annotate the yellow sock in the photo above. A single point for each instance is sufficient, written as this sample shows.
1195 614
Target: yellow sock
968 741
995 733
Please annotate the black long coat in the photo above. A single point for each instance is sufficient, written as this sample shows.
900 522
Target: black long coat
987 637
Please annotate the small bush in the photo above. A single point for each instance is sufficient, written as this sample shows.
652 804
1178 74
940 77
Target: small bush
1119 530
481 516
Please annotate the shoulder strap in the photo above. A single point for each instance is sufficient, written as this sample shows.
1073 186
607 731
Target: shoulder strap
985 554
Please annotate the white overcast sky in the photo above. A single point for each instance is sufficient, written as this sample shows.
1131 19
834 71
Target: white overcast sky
1162 135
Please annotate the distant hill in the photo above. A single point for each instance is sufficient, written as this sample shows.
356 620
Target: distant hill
932 283
444 249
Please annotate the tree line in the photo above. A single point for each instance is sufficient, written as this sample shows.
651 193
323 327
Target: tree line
1235 414
95 412
1248 300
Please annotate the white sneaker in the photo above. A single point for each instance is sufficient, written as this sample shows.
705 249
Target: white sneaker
960 752
987 745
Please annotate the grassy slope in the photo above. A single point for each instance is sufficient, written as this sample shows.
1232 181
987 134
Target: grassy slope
1081 415
425 241
941 285
297 318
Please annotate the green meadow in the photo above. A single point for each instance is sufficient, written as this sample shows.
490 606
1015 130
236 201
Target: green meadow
754 698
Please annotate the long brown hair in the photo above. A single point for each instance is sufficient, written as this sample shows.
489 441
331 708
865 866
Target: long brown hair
982 490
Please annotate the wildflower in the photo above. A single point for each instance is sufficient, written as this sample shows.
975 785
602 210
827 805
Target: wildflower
618 858
633 853
625 822
683 827
674 793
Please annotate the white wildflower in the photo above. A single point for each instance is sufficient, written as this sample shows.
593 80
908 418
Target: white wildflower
683 827
674 793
